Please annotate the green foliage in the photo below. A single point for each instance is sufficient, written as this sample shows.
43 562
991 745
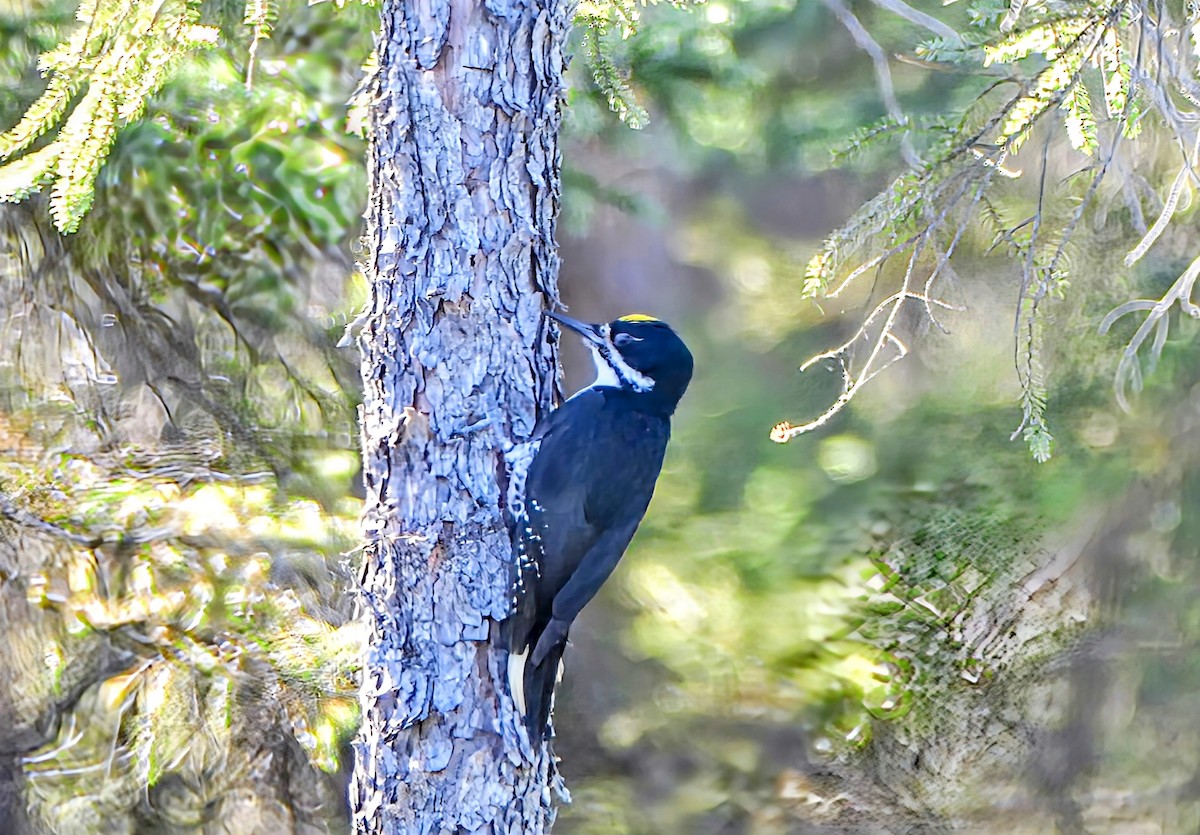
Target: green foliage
966 48
1056 55
733 81
1034 429
789 602
99 81
1081 123
195 312
120 55
598 48
215 656
935 129
607 23
219 219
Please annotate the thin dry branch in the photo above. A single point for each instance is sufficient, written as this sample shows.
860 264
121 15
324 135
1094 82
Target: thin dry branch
918 17
1129 371
917 243
883 72
1158 75
852 382
1028 270
1186 172
944 256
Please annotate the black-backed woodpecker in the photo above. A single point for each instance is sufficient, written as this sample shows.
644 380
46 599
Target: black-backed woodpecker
586 490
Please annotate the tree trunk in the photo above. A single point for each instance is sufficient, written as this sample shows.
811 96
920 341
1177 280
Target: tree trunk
457 362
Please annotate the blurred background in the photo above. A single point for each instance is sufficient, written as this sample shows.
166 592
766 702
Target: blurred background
896 623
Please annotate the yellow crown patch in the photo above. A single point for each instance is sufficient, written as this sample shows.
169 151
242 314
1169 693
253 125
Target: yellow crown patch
637 317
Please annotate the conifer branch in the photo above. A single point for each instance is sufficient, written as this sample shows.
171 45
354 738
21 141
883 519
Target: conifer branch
121 55
1142 60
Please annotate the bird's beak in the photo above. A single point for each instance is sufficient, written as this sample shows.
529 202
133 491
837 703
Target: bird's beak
592 334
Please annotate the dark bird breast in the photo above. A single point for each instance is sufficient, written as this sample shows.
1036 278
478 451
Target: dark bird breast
596 468
586 491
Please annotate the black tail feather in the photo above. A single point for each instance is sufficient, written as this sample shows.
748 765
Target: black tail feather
539 693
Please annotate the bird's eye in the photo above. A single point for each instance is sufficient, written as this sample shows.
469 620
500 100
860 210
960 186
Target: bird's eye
624 339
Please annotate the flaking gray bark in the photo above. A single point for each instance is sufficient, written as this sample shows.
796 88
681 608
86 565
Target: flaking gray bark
457 363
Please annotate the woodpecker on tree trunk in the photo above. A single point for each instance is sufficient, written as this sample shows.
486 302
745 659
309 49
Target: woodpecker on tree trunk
587 488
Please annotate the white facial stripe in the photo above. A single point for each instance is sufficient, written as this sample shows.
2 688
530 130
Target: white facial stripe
611 368
639 381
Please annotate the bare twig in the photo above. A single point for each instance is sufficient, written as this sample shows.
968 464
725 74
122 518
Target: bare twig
944 256
1012 16
1027 274
852 382
1168 210
918 17
1129 373
1161 78
883 73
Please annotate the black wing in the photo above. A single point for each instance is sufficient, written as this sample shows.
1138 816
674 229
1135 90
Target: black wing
555 494
586 492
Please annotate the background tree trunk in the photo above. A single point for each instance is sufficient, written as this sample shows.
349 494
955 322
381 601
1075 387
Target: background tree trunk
456 362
